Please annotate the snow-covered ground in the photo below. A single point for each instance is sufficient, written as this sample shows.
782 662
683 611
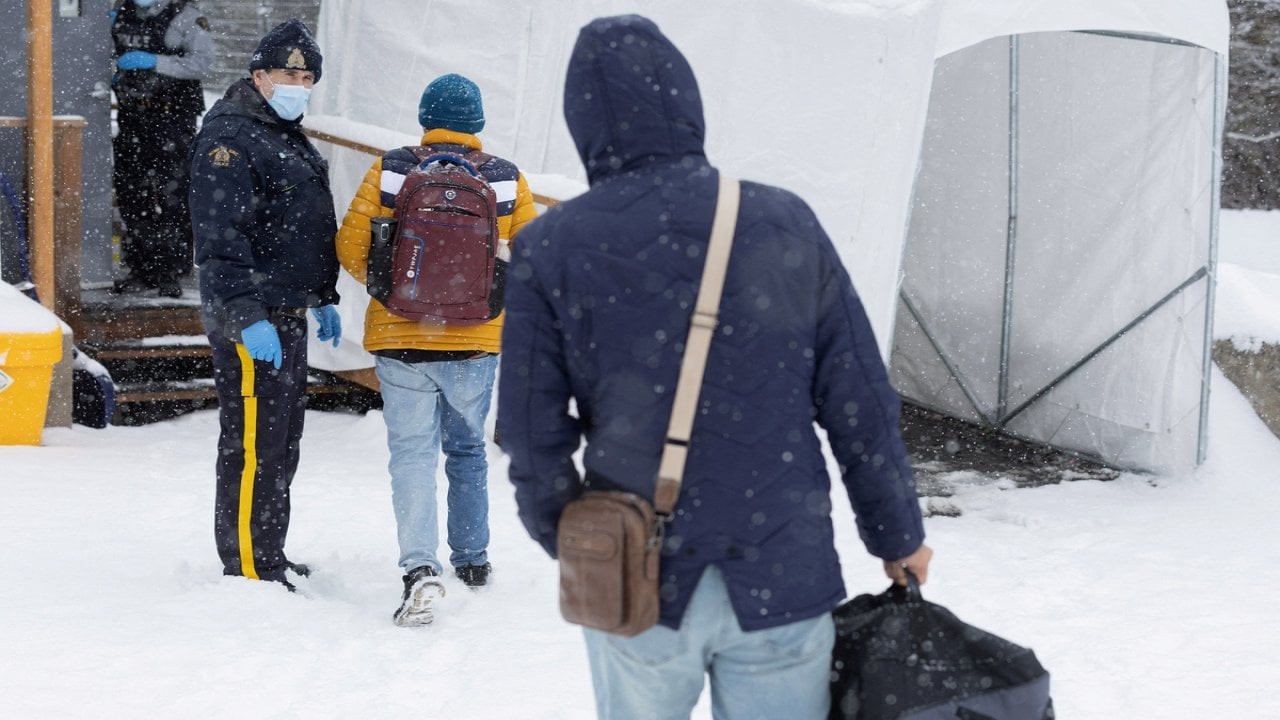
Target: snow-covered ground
1145 597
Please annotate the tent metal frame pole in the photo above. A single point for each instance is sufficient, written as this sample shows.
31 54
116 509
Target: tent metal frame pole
1210 293
942 355
1139 36
1011 230
1196 276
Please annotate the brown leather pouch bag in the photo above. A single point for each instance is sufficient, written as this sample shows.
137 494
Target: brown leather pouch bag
608 543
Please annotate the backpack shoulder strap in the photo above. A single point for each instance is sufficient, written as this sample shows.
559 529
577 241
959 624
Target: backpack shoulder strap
401 159
478 158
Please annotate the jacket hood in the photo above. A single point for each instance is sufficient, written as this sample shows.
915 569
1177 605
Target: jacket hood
243 99
630 97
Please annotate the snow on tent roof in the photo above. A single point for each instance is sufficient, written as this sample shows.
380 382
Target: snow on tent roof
1199 22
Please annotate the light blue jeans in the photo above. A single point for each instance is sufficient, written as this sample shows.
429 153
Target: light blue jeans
429 407
781 672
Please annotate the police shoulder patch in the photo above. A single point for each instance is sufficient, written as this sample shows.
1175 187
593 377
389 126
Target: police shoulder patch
223 156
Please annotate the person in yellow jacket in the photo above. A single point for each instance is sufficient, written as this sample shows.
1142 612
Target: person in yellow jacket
436 380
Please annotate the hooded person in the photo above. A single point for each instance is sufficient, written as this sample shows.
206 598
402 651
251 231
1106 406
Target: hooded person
749 571
163 51
436 379
263 221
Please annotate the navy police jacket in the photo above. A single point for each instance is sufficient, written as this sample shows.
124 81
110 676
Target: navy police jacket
262 214
598 301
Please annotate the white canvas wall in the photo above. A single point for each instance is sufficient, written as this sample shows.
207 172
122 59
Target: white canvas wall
1113 203
826 99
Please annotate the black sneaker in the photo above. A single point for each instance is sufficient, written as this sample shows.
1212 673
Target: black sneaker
133 283
421 586
474 576
168 288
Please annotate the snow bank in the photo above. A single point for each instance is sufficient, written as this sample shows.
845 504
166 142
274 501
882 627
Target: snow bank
1248 303
20 314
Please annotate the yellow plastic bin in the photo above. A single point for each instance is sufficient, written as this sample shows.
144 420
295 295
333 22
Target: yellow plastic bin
30 345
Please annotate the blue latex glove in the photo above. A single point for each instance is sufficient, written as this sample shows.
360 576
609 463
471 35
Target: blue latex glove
136 60
330 324
263 342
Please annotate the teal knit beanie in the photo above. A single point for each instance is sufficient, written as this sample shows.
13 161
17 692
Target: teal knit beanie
451 102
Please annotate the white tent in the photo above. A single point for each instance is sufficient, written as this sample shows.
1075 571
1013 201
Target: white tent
829 98
1059 258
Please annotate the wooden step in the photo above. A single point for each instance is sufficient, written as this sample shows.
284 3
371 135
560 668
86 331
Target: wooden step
203 389
110 352
109 324
104 317
142 403
195 389
172 358
160 360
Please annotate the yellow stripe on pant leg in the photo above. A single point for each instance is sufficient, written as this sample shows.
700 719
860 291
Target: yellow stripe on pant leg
250 454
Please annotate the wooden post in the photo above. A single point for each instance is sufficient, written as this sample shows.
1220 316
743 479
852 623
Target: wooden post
68 151
40 146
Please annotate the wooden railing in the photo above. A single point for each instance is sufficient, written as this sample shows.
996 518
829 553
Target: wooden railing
55 257
340 141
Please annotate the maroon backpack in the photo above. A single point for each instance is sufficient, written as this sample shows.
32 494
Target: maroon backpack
437 262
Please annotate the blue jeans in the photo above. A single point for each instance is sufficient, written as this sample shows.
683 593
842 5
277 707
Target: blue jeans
781 672
430 406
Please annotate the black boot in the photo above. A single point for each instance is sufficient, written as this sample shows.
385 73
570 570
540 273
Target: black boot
134 282
168 287
474 576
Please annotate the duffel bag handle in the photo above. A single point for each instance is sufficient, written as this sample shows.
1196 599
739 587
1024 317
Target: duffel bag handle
902 594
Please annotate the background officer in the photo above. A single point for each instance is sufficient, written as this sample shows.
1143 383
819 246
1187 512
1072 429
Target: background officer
163 49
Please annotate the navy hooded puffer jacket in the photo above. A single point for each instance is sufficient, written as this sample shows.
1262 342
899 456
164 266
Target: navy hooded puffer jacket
598 303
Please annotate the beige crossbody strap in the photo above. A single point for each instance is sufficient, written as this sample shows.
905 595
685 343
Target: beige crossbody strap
701 330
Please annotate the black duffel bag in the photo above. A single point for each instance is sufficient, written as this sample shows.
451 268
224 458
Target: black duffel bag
900 657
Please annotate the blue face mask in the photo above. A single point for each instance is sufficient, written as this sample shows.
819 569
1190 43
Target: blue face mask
289 101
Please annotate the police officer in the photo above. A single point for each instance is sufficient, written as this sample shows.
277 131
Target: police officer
163 49
263 220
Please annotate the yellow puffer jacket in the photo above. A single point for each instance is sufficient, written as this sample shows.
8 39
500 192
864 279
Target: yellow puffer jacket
376 197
